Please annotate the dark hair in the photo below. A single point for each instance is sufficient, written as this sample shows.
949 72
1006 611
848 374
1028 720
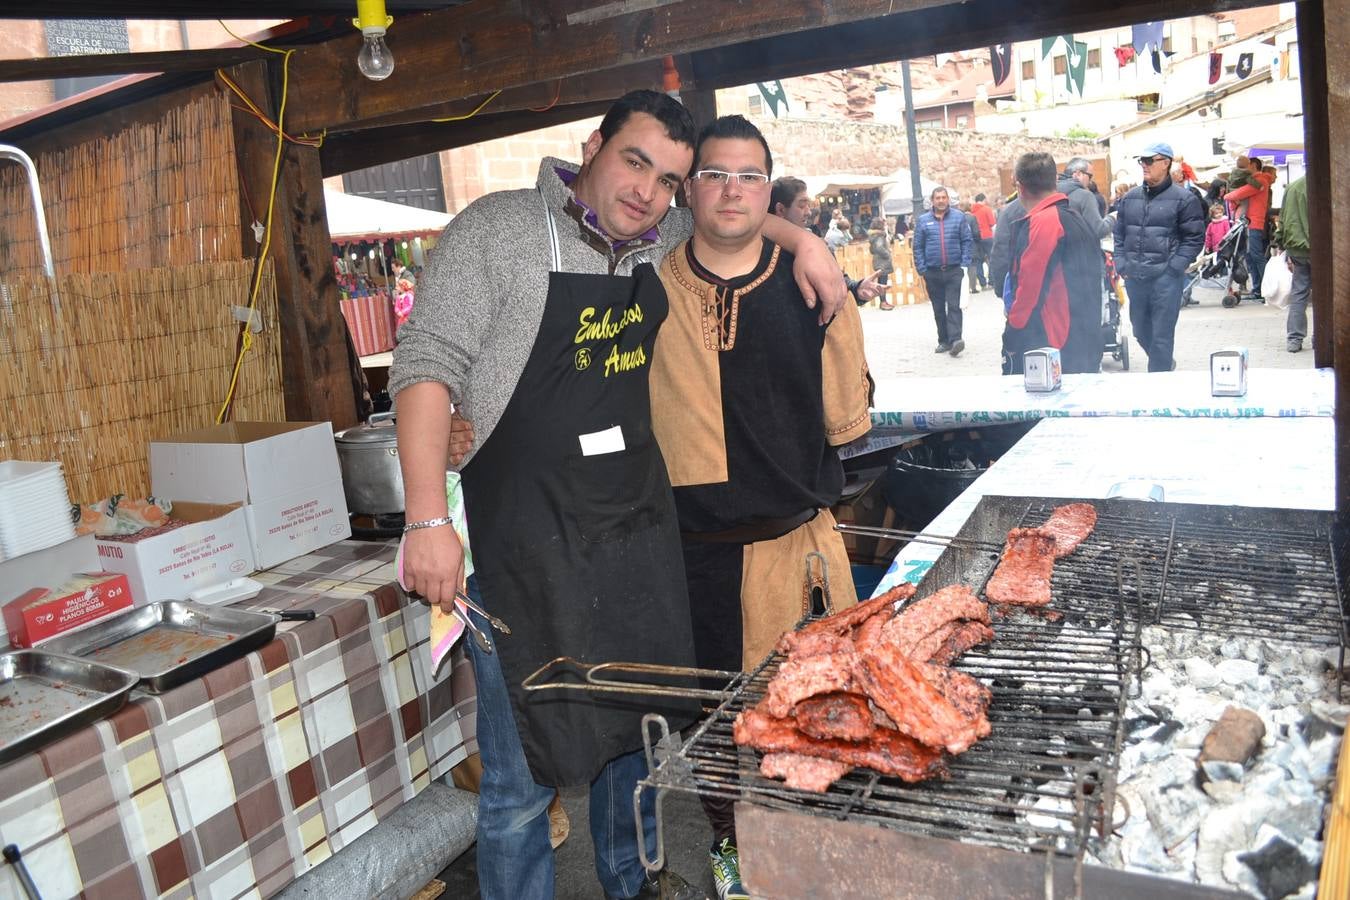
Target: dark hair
738 127
979 198
665 109
1035 172
1077 164
934 191
785 190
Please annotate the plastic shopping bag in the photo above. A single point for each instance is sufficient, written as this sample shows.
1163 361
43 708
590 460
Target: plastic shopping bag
1278 281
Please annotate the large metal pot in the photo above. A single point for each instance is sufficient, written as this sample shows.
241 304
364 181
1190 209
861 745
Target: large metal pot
371 477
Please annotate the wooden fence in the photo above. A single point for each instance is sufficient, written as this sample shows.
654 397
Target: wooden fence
906 288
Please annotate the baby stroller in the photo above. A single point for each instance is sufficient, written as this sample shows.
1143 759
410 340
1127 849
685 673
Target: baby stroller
1114 340
1222 267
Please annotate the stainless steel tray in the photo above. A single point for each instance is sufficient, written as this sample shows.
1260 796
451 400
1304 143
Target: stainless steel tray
45 695
170 642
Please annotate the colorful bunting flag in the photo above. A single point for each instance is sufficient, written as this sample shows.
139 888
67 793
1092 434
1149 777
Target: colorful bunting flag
1215 67
1244 65
1124 55
1000 59
773 94
1146 35
1076 72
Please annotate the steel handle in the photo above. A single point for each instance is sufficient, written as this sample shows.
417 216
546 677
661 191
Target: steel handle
14 154
15 859
538 679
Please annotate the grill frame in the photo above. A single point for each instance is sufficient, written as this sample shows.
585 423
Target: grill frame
1142 558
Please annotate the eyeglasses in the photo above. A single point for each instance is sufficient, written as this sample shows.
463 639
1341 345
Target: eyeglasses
718 178
1150 160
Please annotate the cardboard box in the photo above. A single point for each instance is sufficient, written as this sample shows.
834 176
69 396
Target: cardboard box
43 613
43 568
212 549
286 474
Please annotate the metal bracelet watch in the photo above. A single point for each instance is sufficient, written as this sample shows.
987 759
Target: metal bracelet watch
427 523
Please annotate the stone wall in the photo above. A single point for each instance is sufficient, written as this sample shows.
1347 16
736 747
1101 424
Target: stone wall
967 161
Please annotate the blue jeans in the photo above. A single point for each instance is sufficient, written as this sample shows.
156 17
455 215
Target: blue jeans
515 861
1155 304
1256 258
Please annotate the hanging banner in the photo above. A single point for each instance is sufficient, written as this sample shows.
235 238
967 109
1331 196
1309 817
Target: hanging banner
1244 65
1048 44
773 94
1156 57
1147 35
1215 67
1124 56
1076 72
1000 58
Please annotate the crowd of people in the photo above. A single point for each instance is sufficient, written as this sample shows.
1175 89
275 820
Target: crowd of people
644 403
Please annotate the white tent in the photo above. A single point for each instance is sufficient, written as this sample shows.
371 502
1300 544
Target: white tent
897 196
832 185
353 218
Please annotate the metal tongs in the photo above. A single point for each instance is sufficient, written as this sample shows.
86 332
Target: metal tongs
480 637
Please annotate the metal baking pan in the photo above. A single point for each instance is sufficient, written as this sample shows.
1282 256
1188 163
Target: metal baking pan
170 642
45 695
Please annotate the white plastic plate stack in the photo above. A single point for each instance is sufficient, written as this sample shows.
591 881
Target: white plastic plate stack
34 507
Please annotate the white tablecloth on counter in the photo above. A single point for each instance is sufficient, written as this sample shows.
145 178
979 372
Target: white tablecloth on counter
937 404
1274 462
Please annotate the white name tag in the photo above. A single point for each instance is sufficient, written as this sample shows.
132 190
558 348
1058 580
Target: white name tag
597 442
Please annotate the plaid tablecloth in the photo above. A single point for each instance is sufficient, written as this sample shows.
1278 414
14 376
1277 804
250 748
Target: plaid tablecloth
234 784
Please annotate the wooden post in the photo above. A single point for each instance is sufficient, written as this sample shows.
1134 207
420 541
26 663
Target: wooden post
315 364
1313 80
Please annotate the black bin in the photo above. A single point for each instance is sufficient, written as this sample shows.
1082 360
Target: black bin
929 473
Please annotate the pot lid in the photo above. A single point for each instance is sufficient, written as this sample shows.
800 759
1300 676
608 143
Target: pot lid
379 430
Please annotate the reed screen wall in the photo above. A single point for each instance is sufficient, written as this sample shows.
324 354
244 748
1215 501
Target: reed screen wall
129 358
163 191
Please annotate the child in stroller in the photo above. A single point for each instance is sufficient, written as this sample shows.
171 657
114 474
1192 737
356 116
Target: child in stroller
1221 264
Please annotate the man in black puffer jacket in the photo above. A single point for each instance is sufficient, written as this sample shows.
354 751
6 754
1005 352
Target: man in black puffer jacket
1159 231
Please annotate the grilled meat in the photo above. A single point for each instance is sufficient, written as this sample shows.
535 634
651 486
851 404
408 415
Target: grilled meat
1023 574
843 716
959 638
844 622
921 628
969 697
908 694
807 773
1070 524
799 644
799 679
885 751
869 632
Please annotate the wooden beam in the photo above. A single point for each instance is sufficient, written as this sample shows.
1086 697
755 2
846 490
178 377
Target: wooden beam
43 68
348 152
315 365
1313 81
1331 153
543 97
487 45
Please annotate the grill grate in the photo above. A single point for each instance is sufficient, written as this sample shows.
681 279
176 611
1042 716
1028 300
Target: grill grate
1045 776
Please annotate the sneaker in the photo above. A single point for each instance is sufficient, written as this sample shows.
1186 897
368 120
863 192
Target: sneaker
676 888
1294 346
957 346
942 348
726 868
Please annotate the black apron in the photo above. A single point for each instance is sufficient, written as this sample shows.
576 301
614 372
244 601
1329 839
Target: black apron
580 554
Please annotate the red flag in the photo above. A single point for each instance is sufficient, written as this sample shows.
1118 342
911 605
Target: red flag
1215 67
1124 55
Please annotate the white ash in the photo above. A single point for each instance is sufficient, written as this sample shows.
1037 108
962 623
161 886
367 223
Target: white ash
1254 828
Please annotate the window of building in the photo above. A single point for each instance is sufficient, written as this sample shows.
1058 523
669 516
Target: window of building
1028 70
756 104
1195 45
1094 59
1061 65
1167 45
961 121
927 123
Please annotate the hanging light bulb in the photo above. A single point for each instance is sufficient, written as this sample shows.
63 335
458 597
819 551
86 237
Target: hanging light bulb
375 61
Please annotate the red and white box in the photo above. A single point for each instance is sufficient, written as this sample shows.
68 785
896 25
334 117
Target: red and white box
43 613
169 564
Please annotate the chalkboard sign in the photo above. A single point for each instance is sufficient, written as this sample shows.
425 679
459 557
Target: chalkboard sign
85 37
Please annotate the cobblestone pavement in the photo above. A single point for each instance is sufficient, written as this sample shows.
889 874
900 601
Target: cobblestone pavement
901 341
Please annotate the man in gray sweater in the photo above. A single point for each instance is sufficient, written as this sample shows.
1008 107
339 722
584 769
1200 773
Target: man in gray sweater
537 316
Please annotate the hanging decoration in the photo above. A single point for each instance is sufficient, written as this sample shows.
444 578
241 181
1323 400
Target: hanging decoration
1215 67
1155 56
1244 65
1146 35
1124 55
773 94
1075 73
1000 59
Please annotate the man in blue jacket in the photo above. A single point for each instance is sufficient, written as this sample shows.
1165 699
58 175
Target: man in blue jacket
942 250
1159 231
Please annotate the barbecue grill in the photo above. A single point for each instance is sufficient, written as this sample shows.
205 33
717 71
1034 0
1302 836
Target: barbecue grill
1023 806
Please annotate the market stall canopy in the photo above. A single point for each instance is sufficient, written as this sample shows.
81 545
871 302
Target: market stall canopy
353 218
1278 151
832 185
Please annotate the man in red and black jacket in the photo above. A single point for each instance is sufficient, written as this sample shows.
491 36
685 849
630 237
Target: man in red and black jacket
1054 296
